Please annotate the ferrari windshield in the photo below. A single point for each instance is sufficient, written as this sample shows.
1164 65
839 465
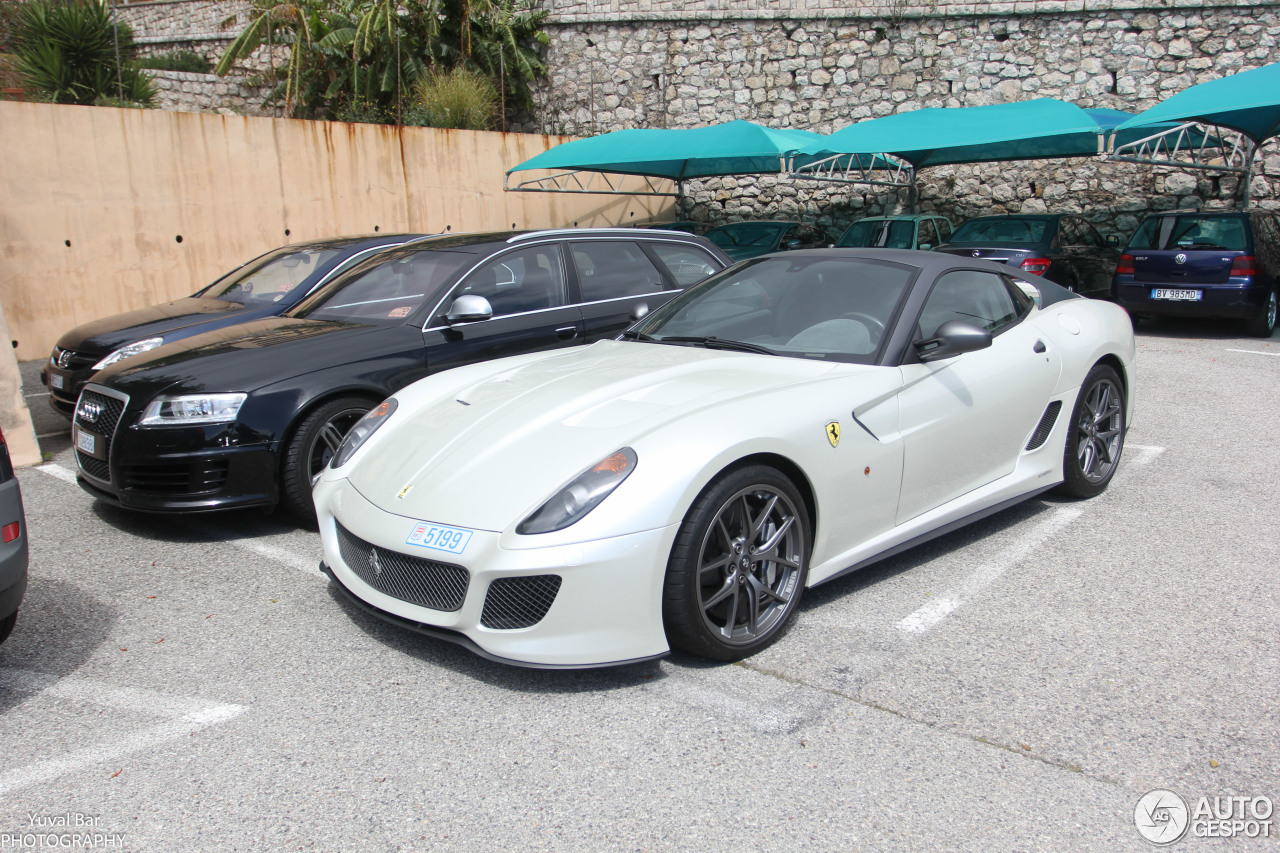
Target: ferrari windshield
825 307
389 290
269 278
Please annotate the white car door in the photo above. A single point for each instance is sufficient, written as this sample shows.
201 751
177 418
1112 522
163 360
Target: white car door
966 419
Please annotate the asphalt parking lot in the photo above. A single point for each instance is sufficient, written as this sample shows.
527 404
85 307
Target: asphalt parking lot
192 683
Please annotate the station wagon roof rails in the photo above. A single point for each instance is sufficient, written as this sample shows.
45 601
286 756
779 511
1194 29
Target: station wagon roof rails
555 232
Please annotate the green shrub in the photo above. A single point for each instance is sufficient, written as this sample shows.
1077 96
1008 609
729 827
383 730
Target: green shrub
73 53
460 99
181 60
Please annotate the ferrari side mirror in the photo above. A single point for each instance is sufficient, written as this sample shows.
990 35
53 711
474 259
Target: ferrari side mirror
953 337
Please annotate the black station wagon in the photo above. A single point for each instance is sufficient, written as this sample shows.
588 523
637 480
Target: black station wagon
250 415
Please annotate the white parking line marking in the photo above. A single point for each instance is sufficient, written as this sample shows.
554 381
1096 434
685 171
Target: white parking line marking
37 394
290 559
1253 352
60 434
53 469
293 560
935 611
185 717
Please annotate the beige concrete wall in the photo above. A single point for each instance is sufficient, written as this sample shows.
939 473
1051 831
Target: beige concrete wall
93 200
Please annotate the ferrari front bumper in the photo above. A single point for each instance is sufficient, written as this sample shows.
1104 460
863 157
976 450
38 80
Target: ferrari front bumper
590 604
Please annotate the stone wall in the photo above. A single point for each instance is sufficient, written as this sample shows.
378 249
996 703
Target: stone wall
652 67
822 64
184 92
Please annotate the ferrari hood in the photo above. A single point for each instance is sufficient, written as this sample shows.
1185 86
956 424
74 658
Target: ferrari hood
496 449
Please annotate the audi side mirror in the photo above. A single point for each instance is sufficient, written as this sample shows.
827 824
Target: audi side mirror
953 337
469 308
639 310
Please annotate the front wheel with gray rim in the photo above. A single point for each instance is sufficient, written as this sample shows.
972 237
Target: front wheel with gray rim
738 566
1095 436
312 446
1263 325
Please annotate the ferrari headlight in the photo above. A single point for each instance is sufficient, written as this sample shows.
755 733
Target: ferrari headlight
135 348
191 409
582 494
360 433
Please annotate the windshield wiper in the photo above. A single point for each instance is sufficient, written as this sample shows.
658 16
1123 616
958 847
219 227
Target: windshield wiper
635 335
712 342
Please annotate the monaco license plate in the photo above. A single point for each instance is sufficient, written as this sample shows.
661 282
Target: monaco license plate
56 381
86 442
440 537
1176 295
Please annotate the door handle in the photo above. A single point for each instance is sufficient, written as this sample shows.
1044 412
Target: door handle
566 333
1039 347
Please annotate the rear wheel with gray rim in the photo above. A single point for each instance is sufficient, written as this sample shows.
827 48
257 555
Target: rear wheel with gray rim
312 446
1096 434
738 566
1264 324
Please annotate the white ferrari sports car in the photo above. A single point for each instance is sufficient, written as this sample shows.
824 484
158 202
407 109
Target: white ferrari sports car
789 420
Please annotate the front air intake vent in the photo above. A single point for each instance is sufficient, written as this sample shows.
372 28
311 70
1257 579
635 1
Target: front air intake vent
519 602
1047 420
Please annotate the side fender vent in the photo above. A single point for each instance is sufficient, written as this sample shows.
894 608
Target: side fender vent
1047 420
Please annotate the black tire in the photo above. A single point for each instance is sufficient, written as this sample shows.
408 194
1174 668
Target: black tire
6 625
716 565
1264 324
313 444
1095 437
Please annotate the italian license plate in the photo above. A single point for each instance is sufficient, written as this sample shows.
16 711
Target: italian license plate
86 442
1176 295
56 381
439 537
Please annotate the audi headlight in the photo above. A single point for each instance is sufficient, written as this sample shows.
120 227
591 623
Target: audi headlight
190 409
360 433
128 350
582 494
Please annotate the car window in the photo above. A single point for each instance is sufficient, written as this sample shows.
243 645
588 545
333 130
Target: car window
981 298
1068 233
1002 228
901 234
928 235
1192 231
756 234
944 229
271 279
1090 235
390 290
610 269
525 280
685 263
865 233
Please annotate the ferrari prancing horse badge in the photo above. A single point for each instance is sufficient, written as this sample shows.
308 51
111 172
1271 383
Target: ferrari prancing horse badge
833 433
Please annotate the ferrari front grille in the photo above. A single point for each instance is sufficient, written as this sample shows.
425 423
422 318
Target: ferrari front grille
1047 420
426 583
519 602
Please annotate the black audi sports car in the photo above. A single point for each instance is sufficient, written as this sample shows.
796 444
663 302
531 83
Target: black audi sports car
249 415
266 286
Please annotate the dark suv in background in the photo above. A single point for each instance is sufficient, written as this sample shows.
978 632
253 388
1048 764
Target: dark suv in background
1200 263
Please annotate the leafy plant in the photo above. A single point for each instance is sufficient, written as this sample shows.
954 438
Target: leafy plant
73 53
181 60
460 98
